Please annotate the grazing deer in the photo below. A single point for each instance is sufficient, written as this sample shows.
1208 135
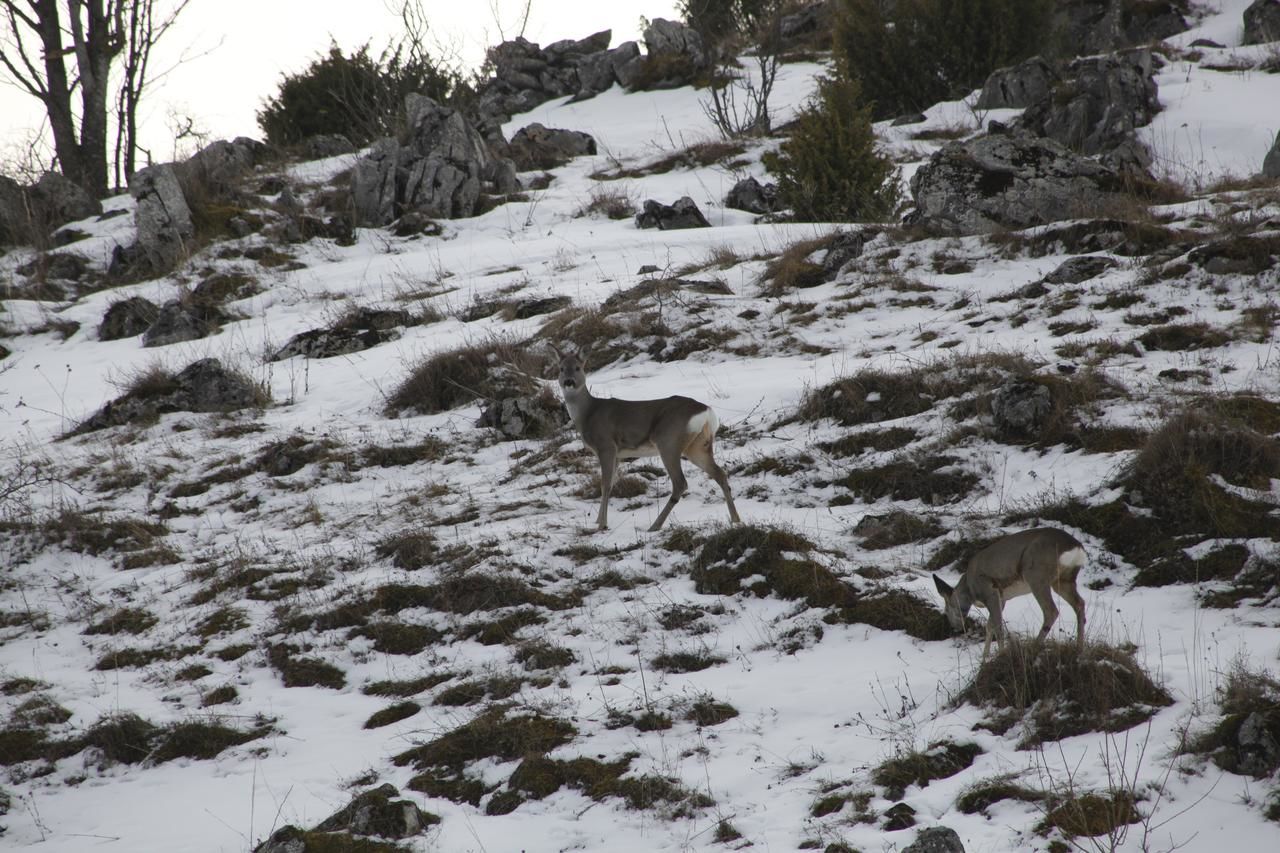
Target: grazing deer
672 427
1034 561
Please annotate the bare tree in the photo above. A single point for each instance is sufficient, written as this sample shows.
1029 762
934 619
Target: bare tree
61 52
739 104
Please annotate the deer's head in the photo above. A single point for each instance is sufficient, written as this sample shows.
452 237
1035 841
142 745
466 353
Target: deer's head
573 374
956 601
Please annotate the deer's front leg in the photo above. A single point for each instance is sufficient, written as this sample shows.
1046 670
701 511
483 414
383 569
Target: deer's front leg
608 473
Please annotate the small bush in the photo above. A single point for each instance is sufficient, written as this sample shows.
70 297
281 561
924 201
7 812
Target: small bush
610 202
540 654
981 795
299 671
1247 698
356 95
449 379
492 734
1090 814
128 620
829 169
392 714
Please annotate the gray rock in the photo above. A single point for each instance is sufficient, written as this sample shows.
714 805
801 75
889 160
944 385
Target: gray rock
805 22
1018 86
1007 180
672 39
29 214
1099 104
569 49
524 417
202 386
1021 407
1262 22
327 145
1271 163
898 817
536 147
162 217
127 318
909 118
935 839
179 321
752 196
219 167
846 246
363 329
1078 269
683 213
1098 26
286 839
440 171
379 813
61 266
627 63
1257 741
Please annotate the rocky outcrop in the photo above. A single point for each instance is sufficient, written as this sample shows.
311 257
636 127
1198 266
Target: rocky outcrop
1098 105
1080 268
752 196
525 75
1021 407
219 167
676 57
536 147
1018 86
162 217
324 145
1262 22
182 320
440 171
202 386
683 213
1007 180
521 417
31 213
1098 26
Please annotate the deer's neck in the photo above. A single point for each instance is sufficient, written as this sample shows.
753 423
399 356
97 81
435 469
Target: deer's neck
579 402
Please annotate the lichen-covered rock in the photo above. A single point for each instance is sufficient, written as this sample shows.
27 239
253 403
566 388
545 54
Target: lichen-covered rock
682 213
752 196
219 167
935 839
1081 268
364 329
1098 105
181 320
1018 86
162 216
378 812
537 147
1007 180
31 212
845 246
665 38
515 418
1262 22
1020 407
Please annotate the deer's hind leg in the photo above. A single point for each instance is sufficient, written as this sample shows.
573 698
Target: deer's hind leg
701 453
671 461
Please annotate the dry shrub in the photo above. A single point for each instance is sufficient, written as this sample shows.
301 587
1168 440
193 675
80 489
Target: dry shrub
793 269
928 478
1090 814
981 795
451 378
610 202
301 671
939 761
538 777
1180 337
602 337
392 714
1059 693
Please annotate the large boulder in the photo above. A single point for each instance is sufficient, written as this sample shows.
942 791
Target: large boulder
440 171
182 320
536 147
1018 86
1098 105
1098 26
202 386
162 216
1007 180
936 839
752 196
127 318
1262 22
672 39
218 168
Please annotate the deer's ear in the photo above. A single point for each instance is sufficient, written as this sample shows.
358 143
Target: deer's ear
556 350
944 589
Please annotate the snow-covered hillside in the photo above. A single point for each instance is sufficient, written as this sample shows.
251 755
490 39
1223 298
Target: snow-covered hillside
179 571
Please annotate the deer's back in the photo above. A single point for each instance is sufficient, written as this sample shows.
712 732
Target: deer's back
639 424
1011 559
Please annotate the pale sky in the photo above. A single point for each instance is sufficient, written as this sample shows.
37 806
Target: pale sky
242 47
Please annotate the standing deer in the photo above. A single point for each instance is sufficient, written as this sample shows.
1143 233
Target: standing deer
1031 561
672 427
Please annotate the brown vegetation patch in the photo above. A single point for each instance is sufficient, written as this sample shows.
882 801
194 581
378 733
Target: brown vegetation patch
793 269
491 632
978 797
538 777
698 155
1090 814
417 548
1248 700
300 671
394 637
705 711
494 733
1180 337
1058 692
127 620
881 440
494 688
541 654
939 761
451 378
930 479
392 714
896 527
